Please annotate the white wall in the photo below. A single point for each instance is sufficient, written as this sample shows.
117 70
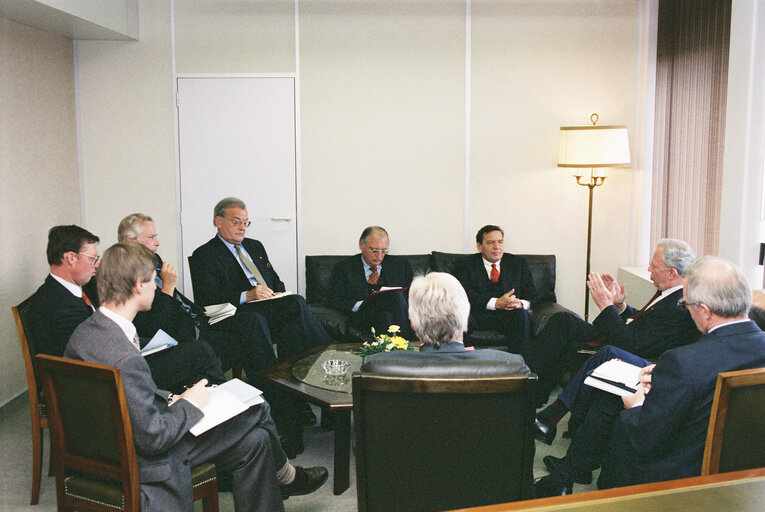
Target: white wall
38 169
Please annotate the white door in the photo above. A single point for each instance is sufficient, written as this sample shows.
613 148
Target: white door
237 138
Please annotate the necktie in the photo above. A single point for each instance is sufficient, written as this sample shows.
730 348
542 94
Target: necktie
250 266
135 342
87 301
374 276
494 273
642 310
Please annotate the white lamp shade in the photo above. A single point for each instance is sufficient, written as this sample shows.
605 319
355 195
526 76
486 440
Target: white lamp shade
594 146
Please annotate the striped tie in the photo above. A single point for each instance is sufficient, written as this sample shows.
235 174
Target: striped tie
374 276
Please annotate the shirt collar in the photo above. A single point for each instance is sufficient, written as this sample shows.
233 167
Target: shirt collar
367 267
713 329
75 289
123 323
488 264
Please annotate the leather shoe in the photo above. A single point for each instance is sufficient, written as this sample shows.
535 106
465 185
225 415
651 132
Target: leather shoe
306 481
544 433
582 477
546 487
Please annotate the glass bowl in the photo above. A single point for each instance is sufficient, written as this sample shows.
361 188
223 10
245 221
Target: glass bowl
336 366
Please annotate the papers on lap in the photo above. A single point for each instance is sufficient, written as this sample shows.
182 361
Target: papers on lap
382 291
616 377
218 312
158 343
277 295
226 401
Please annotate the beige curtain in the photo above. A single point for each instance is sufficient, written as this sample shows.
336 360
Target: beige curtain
691 85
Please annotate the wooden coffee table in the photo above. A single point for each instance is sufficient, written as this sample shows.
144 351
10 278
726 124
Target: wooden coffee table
338 404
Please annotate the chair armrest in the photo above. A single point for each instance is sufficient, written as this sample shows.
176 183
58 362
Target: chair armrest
333 320
541 314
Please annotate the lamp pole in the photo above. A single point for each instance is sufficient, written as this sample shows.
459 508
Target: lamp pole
595 181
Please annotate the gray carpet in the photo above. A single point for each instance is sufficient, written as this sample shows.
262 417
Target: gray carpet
16 468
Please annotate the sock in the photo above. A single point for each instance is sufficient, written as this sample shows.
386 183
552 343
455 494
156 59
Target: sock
552 414
286 475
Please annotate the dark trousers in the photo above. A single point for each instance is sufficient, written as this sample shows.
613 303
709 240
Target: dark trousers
184 365
514 324
381 312
293 327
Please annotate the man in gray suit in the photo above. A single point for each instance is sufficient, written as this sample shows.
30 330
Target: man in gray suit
246 445
439 311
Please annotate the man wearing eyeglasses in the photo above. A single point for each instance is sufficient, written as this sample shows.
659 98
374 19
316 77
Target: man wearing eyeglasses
356 279
61 304
235 269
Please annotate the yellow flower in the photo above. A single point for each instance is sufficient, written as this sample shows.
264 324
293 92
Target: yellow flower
399 342
393 329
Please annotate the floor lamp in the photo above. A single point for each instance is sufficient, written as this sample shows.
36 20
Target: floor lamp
592 147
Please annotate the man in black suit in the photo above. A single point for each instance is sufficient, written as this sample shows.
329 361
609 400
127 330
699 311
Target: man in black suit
439 309
60 305
500 288
232 268
650 437
658 326
355 278
243 338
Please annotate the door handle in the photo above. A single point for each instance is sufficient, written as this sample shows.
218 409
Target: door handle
287 217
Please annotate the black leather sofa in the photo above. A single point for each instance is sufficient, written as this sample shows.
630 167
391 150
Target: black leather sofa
318 271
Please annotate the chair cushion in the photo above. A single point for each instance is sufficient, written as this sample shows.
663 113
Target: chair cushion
432 368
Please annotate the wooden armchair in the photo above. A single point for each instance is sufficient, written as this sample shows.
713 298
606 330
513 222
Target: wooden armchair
95 465
430 443
736 435
37 409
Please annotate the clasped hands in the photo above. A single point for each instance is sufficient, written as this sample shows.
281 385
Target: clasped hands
605 291
508 301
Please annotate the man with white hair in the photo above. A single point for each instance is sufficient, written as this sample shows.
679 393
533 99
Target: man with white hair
439 310
661 434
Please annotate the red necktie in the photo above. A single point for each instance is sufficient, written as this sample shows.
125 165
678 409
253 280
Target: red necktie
374 276
87 300
494 273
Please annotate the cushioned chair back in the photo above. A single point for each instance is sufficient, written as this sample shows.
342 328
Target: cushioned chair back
736 435
542 268
318 274
421 263
440 443
91 427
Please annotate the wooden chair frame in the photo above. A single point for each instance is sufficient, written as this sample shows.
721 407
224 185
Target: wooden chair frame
726 382
125 471
37 408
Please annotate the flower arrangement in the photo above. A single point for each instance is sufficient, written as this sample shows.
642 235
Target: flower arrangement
385 342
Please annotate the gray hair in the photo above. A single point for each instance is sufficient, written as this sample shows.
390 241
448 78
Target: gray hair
720 285
226 203
438 308
131 226
677 254
372 232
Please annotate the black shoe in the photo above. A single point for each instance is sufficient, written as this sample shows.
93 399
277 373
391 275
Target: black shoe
546 487
581 477
307 480
544 433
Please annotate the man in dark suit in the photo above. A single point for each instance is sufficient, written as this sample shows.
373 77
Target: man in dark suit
243 338
246 445
660 325
232 268
661 435
60 305
354 280
500 288
439 311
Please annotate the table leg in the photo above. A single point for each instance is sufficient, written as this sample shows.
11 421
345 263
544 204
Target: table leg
342 451
292 413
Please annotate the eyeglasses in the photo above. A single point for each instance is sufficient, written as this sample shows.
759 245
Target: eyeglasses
236 221
685 304
378 252
93 259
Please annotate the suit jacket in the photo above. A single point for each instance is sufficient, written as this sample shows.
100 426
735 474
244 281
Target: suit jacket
55 313
349 284
158 430
514 274
661 327
218 277
452 352
669 431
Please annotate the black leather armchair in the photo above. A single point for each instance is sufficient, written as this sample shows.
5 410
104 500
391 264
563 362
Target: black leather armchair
318 271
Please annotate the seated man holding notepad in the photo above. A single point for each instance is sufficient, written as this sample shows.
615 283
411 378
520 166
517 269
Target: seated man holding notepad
232 268
242 338
246 445
357 281
61 304
649 437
